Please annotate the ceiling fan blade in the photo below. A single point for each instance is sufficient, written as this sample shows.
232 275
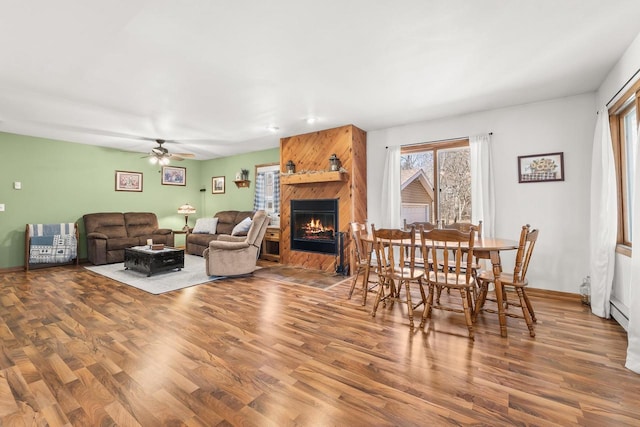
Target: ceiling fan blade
185 155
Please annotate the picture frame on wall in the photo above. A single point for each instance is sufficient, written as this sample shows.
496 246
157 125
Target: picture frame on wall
128 181
541 167
217 185
174 175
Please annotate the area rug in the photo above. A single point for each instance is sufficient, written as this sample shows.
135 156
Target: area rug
192 274
300 276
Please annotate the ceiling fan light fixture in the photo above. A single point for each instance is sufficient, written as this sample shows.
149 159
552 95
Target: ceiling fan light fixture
164 161
153 160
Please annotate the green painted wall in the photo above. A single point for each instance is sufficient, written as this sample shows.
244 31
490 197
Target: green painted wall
234 197
61 181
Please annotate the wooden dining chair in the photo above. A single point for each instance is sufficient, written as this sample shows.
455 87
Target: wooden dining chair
365 261
453 248
426 225
478 255
396 268
516 280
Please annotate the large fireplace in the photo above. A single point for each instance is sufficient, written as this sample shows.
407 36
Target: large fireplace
314 225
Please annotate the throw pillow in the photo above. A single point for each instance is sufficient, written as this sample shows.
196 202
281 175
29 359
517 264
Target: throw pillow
242 228
205 226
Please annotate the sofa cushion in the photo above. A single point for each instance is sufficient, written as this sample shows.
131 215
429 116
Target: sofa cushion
205 226
202 239
242 227
121 243
229 219
140 223
111 224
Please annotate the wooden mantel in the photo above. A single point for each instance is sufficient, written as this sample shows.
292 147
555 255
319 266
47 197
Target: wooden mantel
310 152
312 177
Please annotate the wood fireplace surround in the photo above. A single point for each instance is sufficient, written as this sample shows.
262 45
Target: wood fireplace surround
313 180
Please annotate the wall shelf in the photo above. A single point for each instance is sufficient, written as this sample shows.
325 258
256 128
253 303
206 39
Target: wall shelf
310 177
242 183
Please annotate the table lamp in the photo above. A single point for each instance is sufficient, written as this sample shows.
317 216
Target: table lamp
186 209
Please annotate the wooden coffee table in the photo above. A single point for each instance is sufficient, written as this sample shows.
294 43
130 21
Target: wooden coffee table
148 261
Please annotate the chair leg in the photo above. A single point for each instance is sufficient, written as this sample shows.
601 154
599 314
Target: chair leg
529 306
380 296
353 284
481 298
427 307
525 311
467 310
409 303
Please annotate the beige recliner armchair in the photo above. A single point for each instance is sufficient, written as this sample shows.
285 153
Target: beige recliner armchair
236 255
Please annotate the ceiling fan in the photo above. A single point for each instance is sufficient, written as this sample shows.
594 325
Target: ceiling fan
161 155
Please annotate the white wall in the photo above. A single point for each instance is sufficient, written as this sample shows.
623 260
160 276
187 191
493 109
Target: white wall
559 209
626 67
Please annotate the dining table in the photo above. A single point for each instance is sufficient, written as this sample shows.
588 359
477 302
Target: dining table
491 245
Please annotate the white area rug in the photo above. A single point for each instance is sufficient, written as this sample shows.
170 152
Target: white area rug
192 274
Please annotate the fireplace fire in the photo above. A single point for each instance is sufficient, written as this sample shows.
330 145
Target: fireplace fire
313 225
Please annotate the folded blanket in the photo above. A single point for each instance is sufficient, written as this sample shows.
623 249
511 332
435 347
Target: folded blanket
52 243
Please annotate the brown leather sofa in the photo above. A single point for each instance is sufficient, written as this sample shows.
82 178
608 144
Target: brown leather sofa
197 243
109 233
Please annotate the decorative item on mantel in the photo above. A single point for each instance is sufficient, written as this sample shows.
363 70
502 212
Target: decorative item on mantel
245 174
334 163
186 209
291 167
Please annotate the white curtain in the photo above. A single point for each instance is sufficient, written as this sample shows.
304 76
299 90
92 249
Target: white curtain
604 217
482 183
391 198
633 330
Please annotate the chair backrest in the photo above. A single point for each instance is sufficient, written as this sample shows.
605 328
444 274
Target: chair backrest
465 227
425 225
449 247
358 231
395 251
527 242
259 225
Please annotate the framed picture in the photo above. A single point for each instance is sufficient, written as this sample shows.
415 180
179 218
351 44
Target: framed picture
172 175
217 185
541 167
128 181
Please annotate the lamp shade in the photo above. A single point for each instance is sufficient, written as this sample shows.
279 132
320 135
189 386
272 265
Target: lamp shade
186 209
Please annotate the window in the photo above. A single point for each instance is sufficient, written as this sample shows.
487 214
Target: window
436 182
623 118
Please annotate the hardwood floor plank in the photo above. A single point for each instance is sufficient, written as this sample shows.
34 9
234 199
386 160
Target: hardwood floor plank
79 349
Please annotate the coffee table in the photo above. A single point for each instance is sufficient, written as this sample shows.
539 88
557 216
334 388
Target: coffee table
148 261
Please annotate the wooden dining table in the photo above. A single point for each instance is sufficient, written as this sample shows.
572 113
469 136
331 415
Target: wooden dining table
485 244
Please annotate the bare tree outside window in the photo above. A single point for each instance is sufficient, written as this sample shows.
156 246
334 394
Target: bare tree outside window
442 193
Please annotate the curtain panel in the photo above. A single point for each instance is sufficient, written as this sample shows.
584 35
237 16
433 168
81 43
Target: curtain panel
391 196
633 330
482 183
604 217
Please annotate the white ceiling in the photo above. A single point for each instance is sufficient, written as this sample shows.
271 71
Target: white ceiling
215 74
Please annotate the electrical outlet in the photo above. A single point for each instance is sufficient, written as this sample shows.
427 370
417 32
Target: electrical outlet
1 207
17 185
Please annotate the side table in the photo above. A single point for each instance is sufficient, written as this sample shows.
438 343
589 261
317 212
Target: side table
271 245
175 244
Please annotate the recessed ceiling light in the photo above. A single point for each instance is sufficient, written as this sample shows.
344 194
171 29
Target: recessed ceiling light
311 120
273 128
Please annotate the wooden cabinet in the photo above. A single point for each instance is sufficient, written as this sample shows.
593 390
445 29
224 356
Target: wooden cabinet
271 245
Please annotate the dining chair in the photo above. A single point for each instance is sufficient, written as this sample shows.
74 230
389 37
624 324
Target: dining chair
395 254
516 280
426 225
452 248
476 266
365 261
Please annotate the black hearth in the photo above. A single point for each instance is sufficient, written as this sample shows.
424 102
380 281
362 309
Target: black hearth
313 225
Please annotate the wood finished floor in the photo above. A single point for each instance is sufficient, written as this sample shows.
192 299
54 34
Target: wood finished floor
79 349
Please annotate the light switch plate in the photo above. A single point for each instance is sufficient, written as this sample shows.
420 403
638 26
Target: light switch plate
17 185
